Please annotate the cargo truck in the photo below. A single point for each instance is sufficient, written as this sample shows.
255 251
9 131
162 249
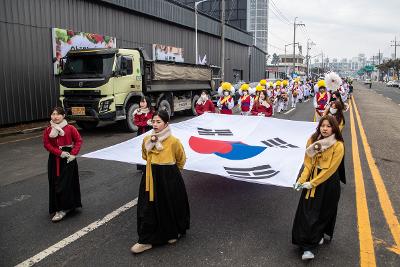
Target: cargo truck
107 84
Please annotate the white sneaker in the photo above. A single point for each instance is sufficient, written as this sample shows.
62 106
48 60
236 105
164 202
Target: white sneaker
321 242
172 241
307 255
139 248
59 216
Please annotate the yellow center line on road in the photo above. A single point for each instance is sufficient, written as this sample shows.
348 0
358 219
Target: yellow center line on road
367 252
23 139
383 195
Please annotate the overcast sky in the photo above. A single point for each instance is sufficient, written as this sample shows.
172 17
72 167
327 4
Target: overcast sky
340 28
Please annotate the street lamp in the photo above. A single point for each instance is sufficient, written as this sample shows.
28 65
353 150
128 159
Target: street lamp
195 19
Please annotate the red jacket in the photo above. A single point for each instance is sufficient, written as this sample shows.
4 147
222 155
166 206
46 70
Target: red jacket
258 108
140 120
71 137
208 106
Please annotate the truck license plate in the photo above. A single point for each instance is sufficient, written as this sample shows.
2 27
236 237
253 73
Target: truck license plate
78 110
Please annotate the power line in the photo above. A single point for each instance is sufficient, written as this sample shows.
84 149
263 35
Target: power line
274 6
279 17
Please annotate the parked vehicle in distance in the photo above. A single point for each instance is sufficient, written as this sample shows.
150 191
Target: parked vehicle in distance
390 83
367 81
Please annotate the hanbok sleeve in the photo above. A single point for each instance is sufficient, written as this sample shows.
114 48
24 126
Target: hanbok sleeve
180 155
47 144
307 166
144 152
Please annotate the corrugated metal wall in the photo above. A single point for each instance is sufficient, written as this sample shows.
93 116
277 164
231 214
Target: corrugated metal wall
257 64
28 88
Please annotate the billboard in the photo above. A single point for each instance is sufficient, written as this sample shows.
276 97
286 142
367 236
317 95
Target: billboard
168 53
65 40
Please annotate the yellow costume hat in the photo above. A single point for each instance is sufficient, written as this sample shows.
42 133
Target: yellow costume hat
244 87
285 82
321 83
259 88
270 84
226 86
263 82
278 83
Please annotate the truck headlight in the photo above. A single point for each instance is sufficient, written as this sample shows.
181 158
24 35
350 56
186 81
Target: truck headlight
105 105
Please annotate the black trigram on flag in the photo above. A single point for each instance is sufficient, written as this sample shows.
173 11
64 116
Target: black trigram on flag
222 132
277 142
259 172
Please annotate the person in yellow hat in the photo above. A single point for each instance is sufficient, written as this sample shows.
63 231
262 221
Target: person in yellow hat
282 96
285 87
271 95
259 88
321 100
295 93
246 101
226 102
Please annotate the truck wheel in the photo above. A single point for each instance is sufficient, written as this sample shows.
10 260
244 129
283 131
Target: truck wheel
128 123
164 105
87 125
194 101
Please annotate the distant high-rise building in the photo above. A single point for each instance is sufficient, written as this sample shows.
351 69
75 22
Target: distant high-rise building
247 15
258 22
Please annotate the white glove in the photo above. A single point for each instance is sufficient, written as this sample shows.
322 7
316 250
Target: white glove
306 185
297 186
70 158
149 122
64 155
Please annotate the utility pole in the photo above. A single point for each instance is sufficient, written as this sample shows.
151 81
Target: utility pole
396 44
308 56
286 58
379 63
222 40
294 42
379 57
322 55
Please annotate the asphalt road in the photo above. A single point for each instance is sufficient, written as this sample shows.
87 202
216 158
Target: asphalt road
232 223
390 93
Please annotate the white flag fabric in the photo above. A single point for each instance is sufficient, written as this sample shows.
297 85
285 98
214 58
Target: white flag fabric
247 148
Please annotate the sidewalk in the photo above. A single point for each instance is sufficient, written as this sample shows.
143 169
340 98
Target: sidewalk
24 128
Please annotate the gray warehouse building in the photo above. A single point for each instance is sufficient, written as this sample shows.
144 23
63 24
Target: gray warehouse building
28 84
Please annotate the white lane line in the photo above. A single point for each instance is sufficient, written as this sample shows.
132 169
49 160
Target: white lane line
290 110
388 98
68 240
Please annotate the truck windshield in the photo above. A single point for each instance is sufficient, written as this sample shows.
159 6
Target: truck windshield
89 64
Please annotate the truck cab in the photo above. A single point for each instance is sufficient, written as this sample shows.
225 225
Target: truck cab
107 84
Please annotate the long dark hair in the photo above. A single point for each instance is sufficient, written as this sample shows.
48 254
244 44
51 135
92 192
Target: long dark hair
148 101
339 113
338 98
335 128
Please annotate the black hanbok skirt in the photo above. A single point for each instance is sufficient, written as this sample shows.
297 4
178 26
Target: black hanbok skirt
168 216
316 215
64 188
